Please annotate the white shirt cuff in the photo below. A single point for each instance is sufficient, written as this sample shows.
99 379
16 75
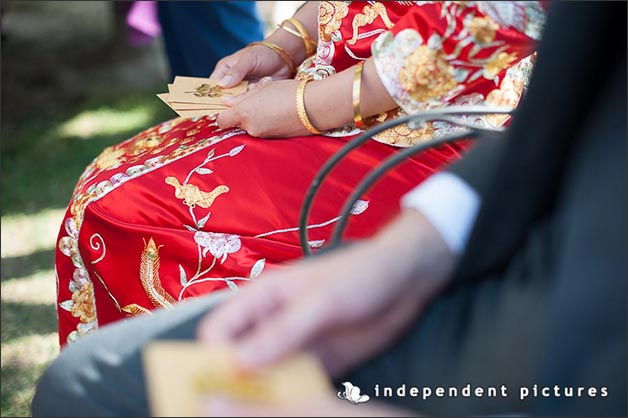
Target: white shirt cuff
450 204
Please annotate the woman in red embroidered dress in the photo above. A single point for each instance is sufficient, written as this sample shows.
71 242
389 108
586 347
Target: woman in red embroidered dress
195 205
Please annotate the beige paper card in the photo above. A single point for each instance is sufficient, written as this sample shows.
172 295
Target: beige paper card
202 90
180 375
188 106
196 113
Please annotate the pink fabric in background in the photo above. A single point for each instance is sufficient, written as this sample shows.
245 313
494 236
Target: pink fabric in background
143 23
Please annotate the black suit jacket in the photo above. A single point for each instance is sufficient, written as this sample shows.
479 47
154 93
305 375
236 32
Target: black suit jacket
518 175
564 159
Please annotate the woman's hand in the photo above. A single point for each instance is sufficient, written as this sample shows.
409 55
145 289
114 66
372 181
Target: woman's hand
267 110
255 62
251 63
345 306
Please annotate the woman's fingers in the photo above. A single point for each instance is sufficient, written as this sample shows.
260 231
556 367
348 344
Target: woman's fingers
229 118
258 83
232 101
222 67
237 71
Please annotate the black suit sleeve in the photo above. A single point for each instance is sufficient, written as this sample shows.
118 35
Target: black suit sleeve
477 167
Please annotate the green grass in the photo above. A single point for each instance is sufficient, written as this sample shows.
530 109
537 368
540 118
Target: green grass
44 158
67 93
40 165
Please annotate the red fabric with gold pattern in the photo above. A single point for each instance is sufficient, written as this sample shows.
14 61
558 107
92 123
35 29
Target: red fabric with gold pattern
184 209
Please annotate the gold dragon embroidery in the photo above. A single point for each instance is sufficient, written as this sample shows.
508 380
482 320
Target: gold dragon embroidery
368 16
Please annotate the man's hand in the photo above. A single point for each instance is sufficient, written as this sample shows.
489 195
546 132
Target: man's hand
345 306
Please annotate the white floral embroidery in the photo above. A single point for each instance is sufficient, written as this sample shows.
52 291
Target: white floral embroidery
219 245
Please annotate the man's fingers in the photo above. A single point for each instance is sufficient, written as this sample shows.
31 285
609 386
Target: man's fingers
238 314
287 330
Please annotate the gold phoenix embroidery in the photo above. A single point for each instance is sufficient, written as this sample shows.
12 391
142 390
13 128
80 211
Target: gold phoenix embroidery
368 16
149 276
193 196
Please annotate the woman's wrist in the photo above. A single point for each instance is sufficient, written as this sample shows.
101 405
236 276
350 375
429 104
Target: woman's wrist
293 45
330 101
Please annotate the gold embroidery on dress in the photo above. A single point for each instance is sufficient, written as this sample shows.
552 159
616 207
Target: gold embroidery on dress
81 286
330 15
149 276
142 144
507 95
483 29
498 63
402 136
135 310
193 196
109 158
368 16
426 74
82 304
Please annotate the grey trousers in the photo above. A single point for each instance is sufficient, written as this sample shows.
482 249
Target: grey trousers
483 334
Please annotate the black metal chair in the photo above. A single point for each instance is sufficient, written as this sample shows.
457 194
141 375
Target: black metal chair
468 131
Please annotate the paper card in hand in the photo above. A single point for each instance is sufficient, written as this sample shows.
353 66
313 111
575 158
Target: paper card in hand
181 375
202 90
165 97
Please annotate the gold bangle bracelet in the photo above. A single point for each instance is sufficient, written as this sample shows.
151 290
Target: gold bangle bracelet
301 108
357 87
310 45
285 56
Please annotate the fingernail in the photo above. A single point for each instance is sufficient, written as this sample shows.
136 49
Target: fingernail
227 81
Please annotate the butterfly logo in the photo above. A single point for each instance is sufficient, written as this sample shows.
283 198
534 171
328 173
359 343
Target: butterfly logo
352 394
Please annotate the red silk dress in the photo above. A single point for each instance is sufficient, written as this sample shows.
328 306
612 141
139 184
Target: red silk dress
184 208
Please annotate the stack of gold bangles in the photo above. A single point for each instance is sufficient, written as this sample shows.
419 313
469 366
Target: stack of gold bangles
285 56
358 121
300 32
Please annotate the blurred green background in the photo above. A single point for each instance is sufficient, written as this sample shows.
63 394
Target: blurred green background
70 86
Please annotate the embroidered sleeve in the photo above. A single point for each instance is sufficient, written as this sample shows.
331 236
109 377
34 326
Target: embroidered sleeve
441 53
